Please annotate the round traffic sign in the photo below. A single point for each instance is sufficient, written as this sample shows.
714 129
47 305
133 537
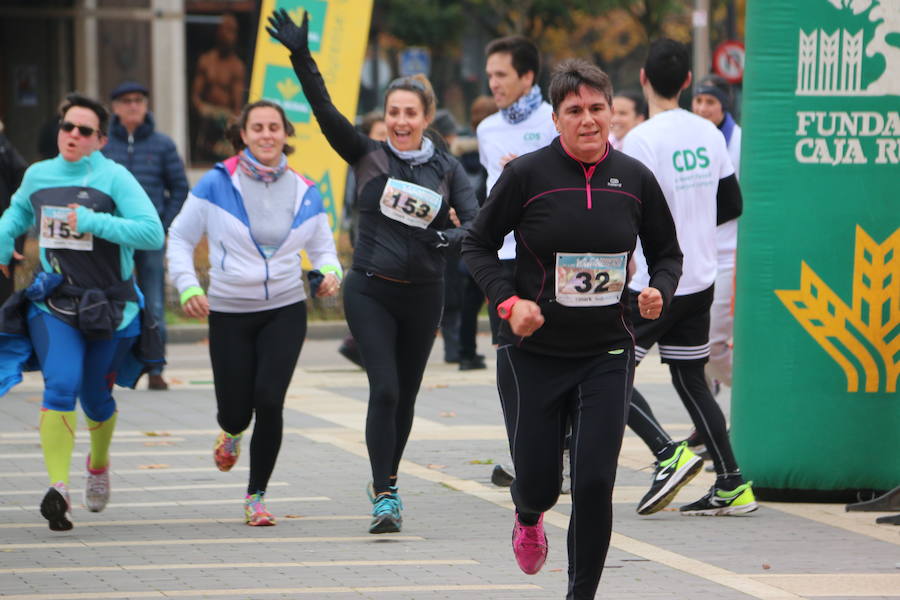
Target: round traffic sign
728 61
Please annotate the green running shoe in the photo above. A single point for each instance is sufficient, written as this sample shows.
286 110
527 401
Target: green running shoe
670 475
722 503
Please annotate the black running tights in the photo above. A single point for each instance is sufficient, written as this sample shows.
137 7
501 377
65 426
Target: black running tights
690 383
395 326
253 359
538 395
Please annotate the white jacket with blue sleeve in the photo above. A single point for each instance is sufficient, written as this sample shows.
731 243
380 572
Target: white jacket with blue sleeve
242 278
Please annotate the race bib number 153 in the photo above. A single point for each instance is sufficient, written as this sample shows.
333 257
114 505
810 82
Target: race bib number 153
409 203
56 233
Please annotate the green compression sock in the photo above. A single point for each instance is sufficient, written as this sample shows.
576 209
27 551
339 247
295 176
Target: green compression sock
101 438
57 441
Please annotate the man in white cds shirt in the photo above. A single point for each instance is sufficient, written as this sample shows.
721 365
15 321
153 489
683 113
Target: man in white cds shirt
523 124
690 160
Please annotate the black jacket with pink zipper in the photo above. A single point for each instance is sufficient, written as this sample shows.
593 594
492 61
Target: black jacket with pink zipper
555 203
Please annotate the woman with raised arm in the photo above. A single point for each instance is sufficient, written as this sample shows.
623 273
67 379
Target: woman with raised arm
393 295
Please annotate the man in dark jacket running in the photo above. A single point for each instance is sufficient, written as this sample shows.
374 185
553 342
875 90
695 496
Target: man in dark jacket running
153 159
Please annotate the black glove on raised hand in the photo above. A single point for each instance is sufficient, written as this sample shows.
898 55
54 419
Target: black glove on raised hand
283 29
431 237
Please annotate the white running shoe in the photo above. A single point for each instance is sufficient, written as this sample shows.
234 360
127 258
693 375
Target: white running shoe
96 487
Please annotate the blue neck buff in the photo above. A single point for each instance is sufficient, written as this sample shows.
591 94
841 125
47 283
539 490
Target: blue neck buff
522 108
727 127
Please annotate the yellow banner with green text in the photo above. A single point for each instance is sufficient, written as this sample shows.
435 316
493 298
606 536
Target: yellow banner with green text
338 33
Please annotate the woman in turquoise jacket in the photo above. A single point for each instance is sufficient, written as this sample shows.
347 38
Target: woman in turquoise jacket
83 309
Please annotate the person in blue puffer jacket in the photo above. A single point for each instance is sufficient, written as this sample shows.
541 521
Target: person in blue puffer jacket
153 159
91 214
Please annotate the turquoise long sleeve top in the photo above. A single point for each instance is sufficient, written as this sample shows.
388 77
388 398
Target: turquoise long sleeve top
115 218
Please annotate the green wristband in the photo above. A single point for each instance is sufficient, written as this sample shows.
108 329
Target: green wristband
194 290
338 272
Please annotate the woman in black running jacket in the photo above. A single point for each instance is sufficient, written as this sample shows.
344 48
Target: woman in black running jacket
393 294
566 351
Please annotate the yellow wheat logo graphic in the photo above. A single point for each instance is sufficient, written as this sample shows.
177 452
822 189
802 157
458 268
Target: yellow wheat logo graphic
287 88
869 331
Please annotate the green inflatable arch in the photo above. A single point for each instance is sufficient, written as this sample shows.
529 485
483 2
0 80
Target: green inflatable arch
815 408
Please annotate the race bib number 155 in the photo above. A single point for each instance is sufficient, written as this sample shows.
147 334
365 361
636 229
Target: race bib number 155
409 203
590 279
56 233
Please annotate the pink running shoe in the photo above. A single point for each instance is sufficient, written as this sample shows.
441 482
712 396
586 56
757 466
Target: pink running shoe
226 450
255 513
529 544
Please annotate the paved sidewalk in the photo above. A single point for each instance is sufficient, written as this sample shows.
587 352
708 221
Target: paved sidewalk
174 528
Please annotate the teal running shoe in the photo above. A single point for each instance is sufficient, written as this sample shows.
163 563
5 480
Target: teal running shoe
370 492
386 516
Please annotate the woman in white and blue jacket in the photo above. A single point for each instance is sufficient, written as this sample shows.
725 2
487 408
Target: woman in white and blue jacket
257 215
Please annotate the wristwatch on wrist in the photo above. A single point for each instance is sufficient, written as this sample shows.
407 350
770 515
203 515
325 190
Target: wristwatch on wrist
504 309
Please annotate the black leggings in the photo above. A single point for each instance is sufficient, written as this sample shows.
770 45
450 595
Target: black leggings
253 359
690 383
395 325
539 394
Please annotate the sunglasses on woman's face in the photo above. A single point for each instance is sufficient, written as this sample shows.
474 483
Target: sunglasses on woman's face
84 130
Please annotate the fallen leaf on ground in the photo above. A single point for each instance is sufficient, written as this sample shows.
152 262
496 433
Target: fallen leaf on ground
433 466
156 433
293 516
447 413
159 466
478 461
766 566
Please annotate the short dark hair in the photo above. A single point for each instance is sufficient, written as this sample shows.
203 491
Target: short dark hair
667 67
571 74
637 98
524 54
76 99
419 85
234 132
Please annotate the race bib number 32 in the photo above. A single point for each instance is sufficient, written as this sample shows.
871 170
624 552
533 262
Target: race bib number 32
56 233
590 279
409 203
